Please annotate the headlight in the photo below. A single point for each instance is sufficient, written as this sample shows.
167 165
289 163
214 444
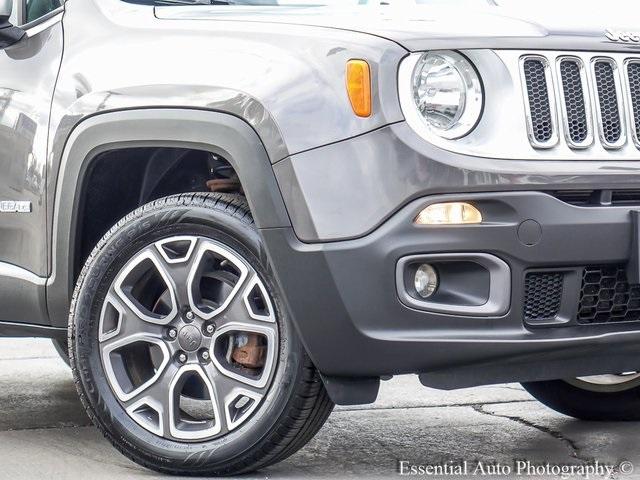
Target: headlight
448 93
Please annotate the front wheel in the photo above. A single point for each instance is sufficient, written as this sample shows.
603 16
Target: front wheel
183 354
599 398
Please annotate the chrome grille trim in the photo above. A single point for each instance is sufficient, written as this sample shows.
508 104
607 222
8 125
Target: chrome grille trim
605 105
549 103
632 91
568 100
611 101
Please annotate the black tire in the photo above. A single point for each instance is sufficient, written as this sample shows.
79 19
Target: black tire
296 405
62 347
578 400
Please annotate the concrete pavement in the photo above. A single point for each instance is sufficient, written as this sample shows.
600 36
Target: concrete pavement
44 432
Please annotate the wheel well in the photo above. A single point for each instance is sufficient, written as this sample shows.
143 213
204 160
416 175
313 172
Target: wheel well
119 181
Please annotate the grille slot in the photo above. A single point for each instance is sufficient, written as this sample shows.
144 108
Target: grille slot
609 116
607 297
597 99
543 296
575 106
540 110
633 75
577 197
599 198
625 197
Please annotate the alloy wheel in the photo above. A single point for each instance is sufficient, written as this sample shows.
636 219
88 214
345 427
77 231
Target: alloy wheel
188 339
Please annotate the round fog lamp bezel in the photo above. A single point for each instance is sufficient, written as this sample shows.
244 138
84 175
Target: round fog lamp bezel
474 94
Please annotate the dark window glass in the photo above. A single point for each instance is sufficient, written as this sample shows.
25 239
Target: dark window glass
39 8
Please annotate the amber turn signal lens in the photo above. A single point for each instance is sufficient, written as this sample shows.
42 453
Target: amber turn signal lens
454 213
359 87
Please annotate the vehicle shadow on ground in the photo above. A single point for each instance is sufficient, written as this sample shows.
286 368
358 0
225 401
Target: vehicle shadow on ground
45 431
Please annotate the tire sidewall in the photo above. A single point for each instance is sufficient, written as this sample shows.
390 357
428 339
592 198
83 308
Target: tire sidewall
133 234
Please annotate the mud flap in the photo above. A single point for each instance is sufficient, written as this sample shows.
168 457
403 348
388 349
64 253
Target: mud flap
352 391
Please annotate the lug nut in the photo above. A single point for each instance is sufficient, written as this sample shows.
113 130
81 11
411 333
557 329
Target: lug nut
209 329
190 315
182 357
204 355
172 333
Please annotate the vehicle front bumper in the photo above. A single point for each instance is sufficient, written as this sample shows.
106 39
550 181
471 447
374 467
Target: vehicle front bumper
349 189
343 295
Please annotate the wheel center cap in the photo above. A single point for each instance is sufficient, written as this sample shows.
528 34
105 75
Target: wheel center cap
189 338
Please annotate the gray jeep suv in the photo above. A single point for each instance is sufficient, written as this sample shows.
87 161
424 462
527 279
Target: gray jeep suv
237 215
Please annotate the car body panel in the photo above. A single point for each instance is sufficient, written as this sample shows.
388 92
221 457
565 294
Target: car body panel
29 69
298 73
425 27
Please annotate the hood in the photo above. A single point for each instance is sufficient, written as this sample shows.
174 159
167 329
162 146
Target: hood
541 24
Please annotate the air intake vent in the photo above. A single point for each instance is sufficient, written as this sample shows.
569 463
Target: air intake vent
633 72
607 297
579 198
543 296
577 122
625 197
610 122
540 110
599 198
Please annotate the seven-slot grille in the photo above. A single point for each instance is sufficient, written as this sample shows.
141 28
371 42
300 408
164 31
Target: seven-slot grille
593 95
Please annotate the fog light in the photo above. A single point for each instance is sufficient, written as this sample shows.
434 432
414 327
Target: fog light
426 280
453 213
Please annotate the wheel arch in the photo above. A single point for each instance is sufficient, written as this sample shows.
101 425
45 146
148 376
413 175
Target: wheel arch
218 133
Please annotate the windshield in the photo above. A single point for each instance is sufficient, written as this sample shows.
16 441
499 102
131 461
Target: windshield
319 3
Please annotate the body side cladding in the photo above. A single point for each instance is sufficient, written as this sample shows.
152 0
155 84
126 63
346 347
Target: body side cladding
29 330
22 297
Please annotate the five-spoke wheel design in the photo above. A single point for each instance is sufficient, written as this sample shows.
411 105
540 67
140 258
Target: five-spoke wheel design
188 338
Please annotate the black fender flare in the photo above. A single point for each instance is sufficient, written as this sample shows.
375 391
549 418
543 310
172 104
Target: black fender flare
219 133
